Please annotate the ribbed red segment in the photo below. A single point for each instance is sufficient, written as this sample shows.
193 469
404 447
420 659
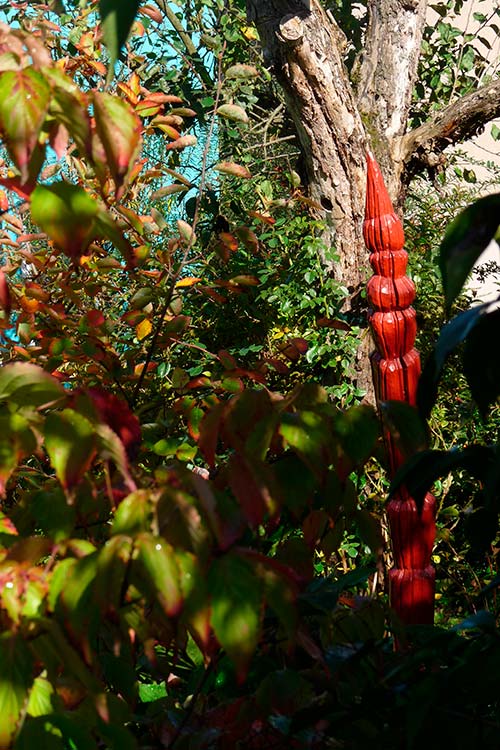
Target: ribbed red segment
396 370
389 263
394 332
413 532
412 594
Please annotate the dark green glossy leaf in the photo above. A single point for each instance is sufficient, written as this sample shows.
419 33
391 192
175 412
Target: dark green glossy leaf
405 426
420 472
464 241
117 17
482 360
357 429
453 334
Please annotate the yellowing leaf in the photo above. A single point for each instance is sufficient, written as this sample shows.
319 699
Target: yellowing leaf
143 329
186 231
182 142
188 281
242 71
233 112
229 167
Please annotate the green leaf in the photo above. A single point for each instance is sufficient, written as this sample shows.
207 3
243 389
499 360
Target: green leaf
112 565
25 384
420 472
308 434
358 430
49 510
16 441
70 443
40 702
236 594
134 514
464 241
152 691
67 214
405 426
16 678
55 732
69 107
24 102
157 568
241 70
451 335
481 360
119 129
117 17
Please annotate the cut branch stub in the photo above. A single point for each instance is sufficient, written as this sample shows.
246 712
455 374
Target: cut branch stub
396 370
291 29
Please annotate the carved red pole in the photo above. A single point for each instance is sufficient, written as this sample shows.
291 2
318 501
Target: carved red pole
396 369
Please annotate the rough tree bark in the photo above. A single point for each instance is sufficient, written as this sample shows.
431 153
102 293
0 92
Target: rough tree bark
339 114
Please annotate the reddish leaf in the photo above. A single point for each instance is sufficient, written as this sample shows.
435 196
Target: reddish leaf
182 142
119 129
24 101
5 301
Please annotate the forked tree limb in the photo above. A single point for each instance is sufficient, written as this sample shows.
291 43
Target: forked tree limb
455 123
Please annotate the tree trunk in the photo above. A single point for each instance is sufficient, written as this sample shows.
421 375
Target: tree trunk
339 115
305 51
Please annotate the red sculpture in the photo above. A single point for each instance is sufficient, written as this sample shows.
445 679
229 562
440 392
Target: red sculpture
396 369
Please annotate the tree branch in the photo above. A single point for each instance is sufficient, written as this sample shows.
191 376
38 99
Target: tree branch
191 49
455 123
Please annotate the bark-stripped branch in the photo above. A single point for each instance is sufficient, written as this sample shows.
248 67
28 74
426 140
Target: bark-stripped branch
455 123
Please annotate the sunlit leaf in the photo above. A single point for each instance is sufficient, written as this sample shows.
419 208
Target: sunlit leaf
27 384
143 329
188 281
24 102
70 443
158 570
119 129
241 70
232 112
67 213
15 682
229 167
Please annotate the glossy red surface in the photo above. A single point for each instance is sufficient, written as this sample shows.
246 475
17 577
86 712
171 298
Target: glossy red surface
396 370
